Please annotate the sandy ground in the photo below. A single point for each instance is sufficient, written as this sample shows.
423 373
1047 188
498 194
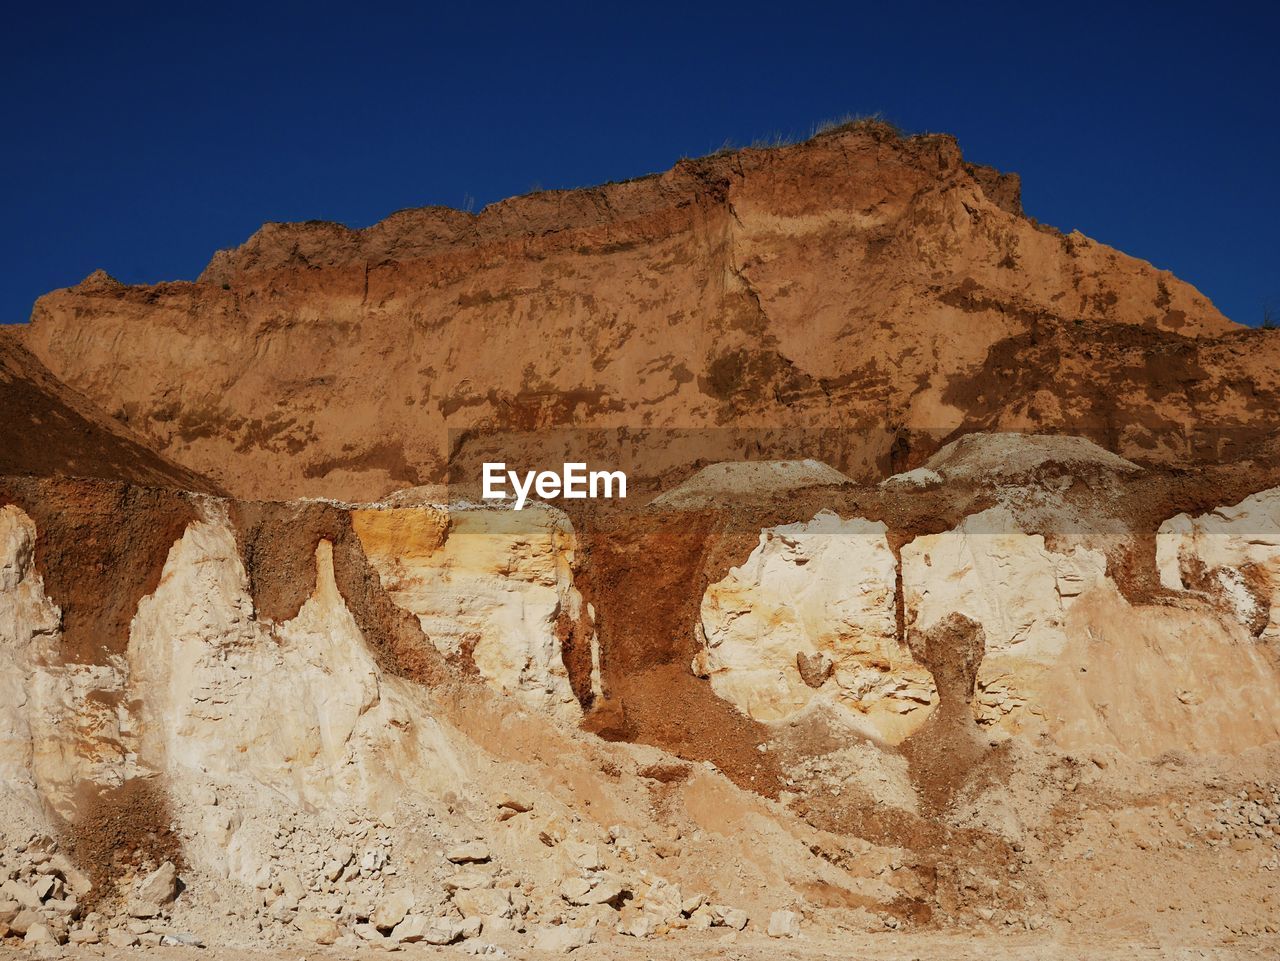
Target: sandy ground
882 947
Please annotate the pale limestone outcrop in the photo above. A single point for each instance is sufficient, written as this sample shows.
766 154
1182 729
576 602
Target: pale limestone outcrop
214 678
277 745
29 621
1063 652
496 584
810 615
1231 553
61 724
1006 580
295 710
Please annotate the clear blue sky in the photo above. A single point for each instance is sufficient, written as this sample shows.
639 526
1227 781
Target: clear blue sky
140 139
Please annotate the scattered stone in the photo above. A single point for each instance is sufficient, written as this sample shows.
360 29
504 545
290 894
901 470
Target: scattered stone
441 931
120 938
468 881
606 891
561 939
664 901
69 907
21 893
410 930
574 889
143 909
639 925
730 917
582 892
291 887
473 852
585 856
485 950
40 933
44 887
701 919
784 924
392 909
160 886
317 929
180 939
483 902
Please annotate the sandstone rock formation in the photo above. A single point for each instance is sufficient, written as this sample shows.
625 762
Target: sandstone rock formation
1232 554
495 583
860 298
863 654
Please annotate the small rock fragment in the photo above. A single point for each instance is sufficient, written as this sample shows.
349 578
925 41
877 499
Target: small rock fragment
561 939
784 924
160 886
317 929
473 852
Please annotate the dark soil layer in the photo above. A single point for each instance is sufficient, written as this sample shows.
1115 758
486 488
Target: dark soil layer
278 544
100 548
47 429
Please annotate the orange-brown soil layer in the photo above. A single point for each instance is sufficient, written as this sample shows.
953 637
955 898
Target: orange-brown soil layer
859 298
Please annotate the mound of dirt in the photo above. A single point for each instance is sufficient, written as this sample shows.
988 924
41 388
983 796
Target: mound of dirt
983 457
724 483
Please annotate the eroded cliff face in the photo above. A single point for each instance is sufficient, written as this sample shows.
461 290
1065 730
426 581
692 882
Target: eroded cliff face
312 790
874 287
493 585
911 666
846 706
813 617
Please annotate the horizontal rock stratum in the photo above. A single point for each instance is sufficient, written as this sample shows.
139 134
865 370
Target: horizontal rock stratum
944 603
866 295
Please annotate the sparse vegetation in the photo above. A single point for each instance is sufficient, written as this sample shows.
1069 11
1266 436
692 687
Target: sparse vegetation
854 121
848 121
777 139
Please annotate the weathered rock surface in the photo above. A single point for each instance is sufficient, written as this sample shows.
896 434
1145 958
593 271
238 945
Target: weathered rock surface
855 279
495 583
814 599
1233 555
1004 579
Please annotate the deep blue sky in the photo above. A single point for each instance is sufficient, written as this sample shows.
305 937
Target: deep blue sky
142 139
